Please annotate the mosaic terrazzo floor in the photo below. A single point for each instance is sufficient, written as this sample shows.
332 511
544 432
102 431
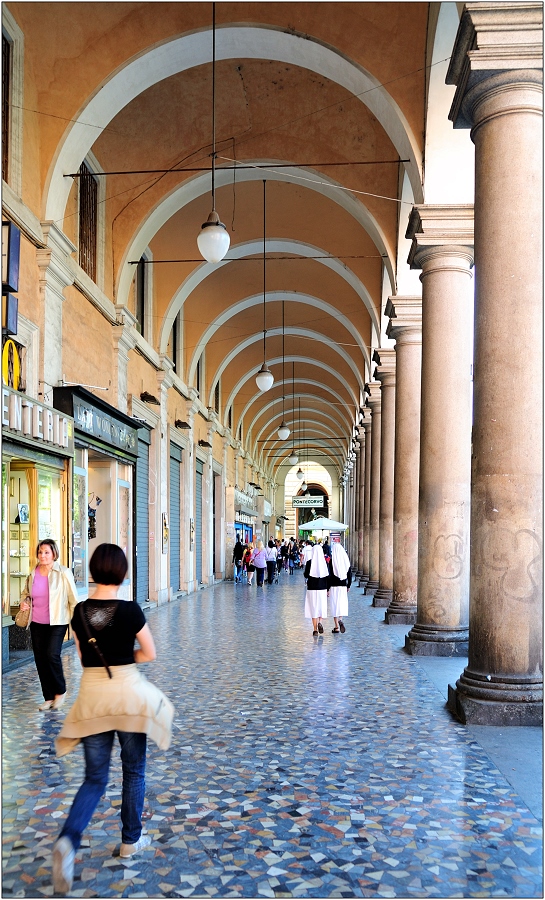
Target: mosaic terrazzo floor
300 767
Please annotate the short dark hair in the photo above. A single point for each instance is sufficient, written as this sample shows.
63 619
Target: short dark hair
271 543
108 564
50 543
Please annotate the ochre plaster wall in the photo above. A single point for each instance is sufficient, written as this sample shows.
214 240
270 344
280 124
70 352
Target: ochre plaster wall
87 343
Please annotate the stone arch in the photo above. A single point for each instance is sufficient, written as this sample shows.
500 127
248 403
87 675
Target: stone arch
300 380
278 359
298 332
348 421
256 300
198 185
193 49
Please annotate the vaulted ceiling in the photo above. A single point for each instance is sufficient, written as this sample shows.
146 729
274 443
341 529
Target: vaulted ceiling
322 101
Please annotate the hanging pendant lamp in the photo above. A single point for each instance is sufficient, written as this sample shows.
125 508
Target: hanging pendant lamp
293 457
264 378
283 431
213 239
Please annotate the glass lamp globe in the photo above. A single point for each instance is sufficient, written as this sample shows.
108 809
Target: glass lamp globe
264 378
213 239
304 486
293 458
283 431
300 474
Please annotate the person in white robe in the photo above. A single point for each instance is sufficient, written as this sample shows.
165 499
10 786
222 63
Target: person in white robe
316 574
340 579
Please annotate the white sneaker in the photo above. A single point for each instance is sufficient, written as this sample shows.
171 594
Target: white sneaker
128 850
47 704
63 865
58 701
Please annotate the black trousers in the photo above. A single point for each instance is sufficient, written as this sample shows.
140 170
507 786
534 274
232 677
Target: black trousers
46 645
271 566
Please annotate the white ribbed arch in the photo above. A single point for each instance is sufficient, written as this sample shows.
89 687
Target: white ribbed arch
272 297
178 54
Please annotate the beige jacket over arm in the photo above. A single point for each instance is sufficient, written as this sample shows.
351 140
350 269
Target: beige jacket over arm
63 595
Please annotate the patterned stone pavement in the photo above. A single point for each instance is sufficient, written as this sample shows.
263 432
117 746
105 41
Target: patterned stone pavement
300 767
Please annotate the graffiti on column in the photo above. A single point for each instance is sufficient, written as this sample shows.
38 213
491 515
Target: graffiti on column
517 555
448 556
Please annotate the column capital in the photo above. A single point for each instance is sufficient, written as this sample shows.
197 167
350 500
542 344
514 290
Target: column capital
375 397
165 375
438 232
385 371
497 45
405 314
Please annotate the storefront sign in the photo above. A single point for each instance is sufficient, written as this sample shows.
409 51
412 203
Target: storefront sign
30 420
244 503
92 421
316 502
267 508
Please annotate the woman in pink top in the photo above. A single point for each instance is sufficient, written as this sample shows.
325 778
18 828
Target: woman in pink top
52 589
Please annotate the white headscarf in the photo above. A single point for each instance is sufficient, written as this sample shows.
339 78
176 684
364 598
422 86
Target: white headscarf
339 561
318 566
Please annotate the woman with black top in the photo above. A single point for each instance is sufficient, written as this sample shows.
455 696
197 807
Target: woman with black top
340 579
114 697
316 574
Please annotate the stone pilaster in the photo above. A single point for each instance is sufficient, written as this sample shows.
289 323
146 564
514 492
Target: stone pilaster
361 500
188 564
497 66
405 327
352 519
442 246
374 402
55 276
159 566
385 373
367 501
124 339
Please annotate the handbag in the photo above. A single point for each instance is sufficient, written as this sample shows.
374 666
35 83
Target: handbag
22 619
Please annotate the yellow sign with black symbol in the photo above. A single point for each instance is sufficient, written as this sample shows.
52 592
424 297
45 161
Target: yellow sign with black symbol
11 364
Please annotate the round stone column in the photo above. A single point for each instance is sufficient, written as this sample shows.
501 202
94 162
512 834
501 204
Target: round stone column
367 501
406 328
386 374
503 682
442 248
374 499
361 498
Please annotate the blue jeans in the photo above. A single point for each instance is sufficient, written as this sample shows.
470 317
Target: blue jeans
238 570
260 575
98 749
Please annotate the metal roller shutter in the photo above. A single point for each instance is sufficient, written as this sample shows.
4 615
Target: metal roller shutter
175 512
142 518
198 522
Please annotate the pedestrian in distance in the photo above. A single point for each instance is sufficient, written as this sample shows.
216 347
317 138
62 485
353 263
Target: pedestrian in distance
270 558
114 697
50 594
316 574
259 560
340 579
293 556
250 568
238 553
278 556
306 553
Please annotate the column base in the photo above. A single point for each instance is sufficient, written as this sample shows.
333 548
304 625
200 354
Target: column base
479 699
363 581
383 597
437 640
400 614
372 586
